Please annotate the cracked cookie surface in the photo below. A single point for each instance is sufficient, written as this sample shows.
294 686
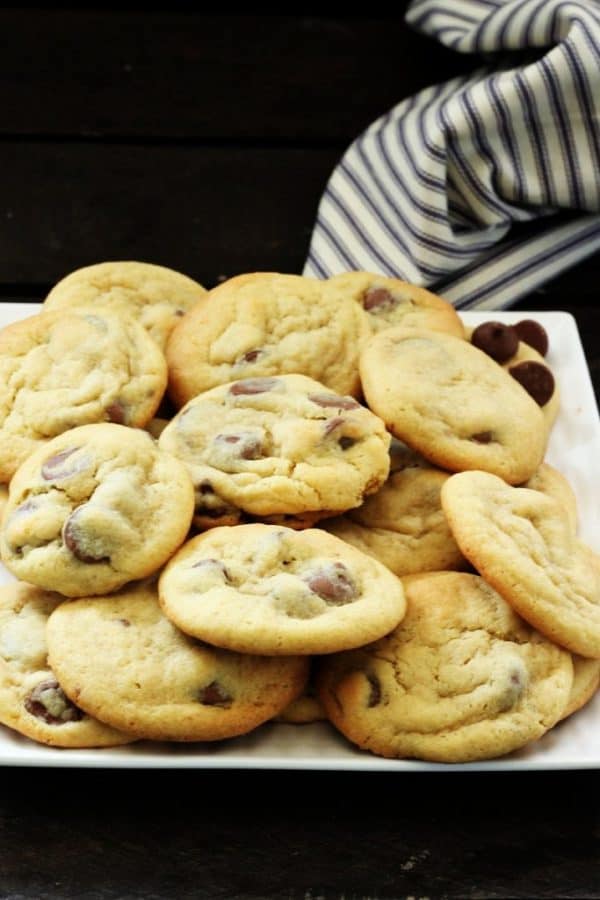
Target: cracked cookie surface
94 508
156 296
266 589
280 445
403 524
391 302
523 544
32 701
462 678
453 403
550 481
119 658
264 324
59 370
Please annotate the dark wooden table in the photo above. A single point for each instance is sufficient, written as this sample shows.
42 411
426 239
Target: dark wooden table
203 143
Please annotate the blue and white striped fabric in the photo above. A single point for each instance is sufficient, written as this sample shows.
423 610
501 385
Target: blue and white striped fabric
436 192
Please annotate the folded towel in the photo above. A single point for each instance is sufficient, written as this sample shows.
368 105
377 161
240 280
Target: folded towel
439 190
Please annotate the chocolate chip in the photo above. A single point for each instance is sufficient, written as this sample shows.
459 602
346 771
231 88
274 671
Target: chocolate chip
252 386
252 451
74 538
54 468
337 422
375 692
482 437
180 312
214 694
332 583
251 356
27 507
48 701
334 401
534 334
125 622
376 298
496 339
332 424
116 413
536 378
247 445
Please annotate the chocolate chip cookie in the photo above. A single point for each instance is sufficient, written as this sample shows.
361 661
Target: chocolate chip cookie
121 660
523 544
452 403
266 589
59 370
32 700
462 677
403 524
156 296
278 446
265 324
94 508
390 302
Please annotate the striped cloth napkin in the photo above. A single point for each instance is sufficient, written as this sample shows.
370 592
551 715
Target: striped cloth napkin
439 190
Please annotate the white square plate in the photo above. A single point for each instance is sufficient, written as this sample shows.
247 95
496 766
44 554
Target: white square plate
573 744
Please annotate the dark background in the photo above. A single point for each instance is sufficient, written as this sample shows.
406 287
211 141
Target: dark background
203 143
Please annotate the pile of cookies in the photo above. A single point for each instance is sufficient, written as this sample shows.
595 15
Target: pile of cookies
285 499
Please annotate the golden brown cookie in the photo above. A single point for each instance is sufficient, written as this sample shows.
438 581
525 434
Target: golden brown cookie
453 403
62 369
265 324
390 302
94 508
462 678
32 701
403 524
268 589
523 544
280 446
120 657
156 296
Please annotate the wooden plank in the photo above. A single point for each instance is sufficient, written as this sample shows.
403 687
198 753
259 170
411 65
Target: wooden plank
174 75
208 212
